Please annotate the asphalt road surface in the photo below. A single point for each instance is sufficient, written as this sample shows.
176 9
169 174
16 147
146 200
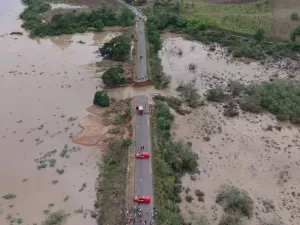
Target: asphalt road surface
141 49
143 167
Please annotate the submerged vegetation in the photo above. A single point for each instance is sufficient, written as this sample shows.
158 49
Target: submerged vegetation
280 97
71 22
251 47
171 159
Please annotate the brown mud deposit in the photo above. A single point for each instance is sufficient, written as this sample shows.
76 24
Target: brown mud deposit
242 151
46 85
94 132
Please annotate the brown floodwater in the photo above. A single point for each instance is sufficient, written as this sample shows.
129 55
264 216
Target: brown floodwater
45 88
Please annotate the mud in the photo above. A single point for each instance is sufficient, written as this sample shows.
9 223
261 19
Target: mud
251 151
46 86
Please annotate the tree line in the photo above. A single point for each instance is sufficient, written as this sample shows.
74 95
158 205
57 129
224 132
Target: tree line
71 22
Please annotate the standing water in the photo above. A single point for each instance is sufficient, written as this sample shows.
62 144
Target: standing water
44 90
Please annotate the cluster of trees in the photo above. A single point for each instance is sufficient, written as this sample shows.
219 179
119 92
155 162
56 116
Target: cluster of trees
113 77
254 48
118 48
72 22
172 160
101 99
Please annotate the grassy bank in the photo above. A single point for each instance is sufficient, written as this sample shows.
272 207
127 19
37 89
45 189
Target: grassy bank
112 183
171 159
197 29
280 98
241 18
71 22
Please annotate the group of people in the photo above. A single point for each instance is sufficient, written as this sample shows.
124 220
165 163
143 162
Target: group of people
138 214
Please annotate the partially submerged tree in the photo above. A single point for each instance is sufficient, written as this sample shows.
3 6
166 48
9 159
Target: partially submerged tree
101 99
118 48
113 76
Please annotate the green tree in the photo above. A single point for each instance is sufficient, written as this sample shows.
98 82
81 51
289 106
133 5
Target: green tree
113 76
101 99
126 17
118 48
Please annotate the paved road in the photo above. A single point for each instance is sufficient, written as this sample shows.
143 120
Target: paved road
143 167
141 48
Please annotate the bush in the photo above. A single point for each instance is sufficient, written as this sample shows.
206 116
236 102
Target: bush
294 16
251 104
236 87
113 76
118 48
190 94
56 218
259 35
189 198
229 219
215 95
101 99
235 201
280 98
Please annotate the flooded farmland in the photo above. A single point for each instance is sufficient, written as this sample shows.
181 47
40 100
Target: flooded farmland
243 151
45 88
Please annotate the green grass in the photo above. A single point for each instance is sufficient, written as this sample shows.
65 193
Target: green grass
241 18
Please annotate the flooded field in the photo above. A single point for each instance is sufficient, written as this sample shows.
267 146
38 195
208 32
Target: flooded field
241 151
46 86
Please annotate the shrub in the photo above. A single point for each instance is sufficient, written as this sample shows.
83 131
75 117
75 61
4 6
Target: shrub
251 104
189 198
56 218
9 196
202 221
118 48
229 219
101 99
236 87
294 16
215 95
280 98
259 35
192 67
127 142
190 94
235 201
113 76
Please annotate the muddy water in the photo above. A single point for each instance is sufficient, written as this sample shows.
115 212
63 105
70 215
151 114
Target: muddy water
212 67
240 151
44 91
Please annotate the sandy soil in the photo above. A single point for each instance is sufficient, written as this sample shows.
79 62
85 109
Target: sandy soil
239 151
45 88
